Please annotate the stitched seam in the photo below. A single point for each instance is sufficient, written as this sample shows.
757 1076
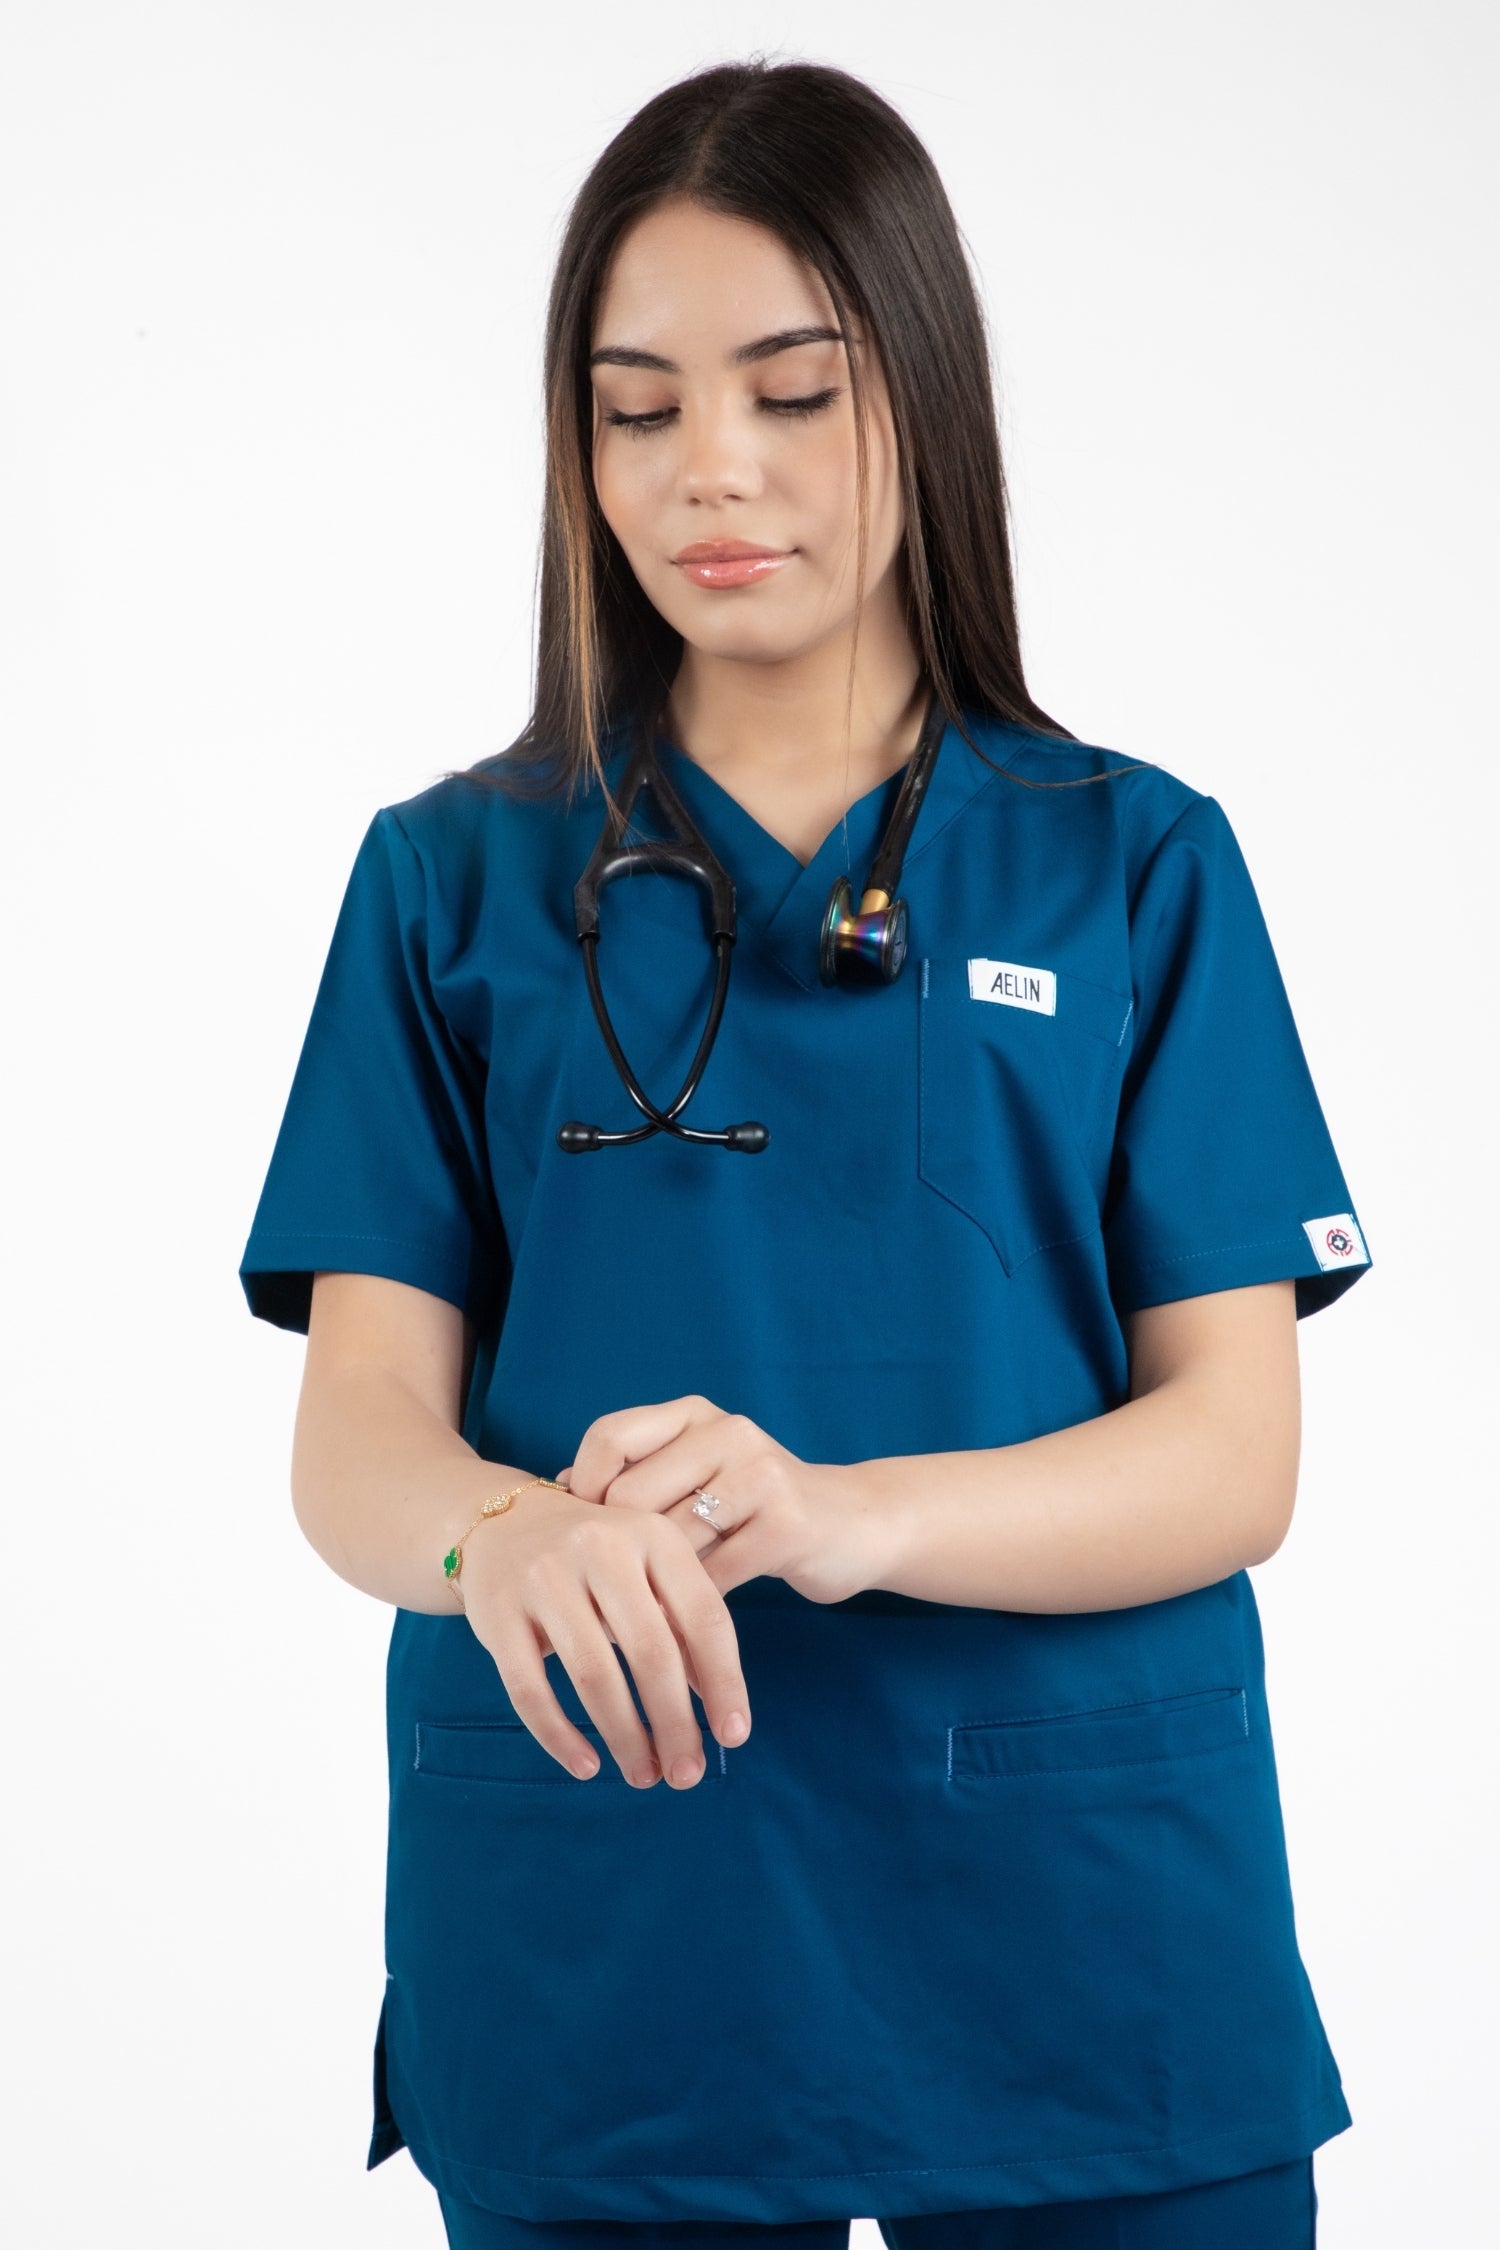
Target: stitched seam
1058 1242
545 1781
923 1158
1011 1261
1096 1710
325 1234
1223 1249
957 812
485 1726
909 2171
1109 1765
1086 1030
1060 1015
1091 1710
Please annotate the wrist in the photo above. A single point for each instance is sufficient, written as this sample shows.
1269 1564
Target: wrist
878 1500
505 1488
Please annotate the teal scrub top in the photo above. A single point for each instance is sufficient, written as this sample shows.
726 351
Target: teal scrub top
992 1907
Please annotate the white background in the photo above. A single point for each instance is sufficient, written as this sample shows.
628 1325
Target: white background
272 281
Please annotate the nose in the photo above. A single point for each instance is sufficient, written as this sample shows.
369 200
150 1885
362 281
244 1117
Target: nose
718 459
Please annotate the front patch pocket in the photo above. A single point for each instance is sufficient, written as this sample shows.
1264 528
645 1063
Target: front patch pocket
1124 1734
1012 1104
507 1751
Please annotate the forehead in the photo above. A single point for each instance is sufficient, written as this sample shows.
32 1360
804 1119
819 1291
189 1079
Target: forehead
706 278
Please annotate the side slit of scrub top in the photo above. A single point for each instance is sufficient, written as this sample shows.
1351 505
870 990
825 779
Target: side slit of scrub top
992 1907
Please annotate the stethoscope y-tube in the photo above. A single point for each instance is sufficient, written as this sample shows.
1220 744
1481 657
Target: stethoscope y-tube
863 948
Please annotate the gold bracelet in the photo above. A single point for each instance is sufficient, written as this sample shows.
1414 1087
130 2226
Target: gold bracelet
453 1561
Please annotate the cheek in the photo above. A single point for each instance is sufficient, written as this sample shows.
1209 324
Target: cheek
628 487
824 480
829 490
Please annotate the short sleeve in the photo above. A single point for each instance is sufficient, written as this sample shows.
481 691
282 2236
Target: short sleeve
1223 1172
380 1163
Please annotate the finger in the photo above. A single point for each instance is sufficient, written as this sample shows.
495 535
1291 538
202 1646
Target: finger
696 1530
690 1668
688 1665
699 1530
518 1648
616 1441
701 1616
699 1457
653 1651
589 1659
742 1554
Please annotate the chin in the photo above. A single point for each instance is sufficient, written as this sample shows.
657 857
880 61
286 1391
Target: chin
740 647
736 634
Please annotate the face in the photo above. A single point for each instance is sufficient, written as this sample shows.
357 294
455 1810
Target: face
724 444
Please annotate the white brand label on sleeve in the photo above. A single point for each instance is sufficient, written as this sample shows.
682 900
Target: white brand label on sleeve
1336 1241
1017 987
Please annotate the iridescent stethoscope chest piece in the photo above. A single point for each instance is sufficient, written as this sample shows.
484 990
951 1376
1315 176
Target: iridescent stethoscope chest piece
864 948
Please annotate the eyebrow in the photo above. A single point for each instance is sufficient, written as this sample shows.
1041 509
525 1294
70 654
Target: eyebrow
764 347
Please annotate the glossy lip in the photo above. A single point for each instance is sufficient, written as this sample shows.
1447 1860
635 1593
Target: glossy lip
723 550
729 562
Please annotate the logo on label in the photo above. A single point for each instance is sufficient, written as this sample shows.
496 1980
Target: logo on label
1016 986
1336 1241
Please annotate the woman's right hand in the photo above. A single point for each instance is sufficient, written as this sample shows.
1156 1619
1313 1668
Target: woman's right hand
558 1574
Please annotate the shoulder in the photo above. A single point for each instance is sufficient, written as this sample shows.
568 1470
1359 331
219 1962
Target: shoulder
464 829
1140 804
1146 795
472 808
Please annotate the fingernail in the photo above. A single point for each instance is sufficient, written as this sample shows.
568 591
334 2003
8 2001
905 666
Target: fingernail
647 1774
685 1770
736 1727
586 1765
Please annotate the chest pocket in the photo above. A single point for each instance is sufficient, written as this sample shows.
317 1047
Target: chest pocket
1012 1104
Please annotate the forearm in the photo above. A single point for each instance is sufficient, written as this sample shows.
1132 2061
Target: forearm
382 1485
1172 1491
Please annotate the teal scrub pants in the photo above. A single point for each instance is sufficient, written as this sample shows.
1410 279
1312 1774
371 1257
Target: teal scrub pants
1270 2210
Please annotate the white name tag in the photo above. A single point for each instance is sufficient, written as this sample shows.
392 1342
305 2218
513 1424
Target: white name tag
1336 1241
1015 986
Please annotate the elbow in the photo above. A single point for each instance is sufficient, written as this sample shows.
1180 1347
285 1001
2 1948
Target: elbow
1261 1440
317 1521
1275 1501
313 1505
306 1510
304 1502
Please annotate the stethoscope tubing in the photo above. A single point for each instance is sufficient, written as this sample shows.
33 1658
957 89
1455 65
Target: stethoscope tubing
659 1120
855 948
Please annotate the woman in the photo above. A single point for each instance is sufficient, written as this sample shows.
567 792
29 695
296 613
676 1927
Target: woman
920 1415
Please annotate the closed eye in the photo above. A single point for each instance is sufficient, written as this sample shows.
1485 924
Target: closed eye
791 408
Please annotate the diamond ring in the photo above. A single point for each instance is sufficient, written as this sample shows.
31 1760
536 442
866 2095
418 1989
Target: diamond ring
705 1506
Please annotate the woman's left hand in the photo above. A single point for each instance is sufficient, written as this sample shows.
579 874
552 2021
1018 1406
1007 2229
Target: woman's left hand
811 1523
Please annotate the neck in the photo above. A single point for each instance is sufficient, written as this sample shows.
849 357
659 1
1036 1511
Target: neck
792 722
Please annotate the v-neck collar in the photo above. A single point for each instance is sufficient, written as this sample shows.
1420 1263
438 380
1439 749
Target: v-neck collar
779 902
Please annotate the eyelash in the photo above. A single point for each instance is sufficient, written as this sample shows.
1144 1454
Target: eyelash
791 409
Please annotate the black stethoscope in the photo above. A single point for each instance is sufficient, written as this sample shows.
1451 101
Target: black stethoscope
863 948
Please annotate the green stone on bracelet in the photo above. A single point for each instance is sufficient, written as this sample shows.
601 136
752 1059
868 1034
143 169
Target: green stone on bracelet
451 1562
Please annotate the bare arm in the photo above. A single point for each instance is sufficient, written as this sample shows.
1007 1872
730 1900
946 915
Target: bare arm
1194 1478
383 1484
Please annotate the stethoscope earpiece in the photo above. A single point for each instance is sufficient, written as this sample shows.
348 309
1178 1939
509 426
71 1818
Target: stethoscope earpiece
576 1138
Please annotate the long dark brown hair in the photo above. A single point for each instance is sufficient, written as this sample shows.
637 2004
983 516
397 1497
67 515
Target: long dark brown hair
818 158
